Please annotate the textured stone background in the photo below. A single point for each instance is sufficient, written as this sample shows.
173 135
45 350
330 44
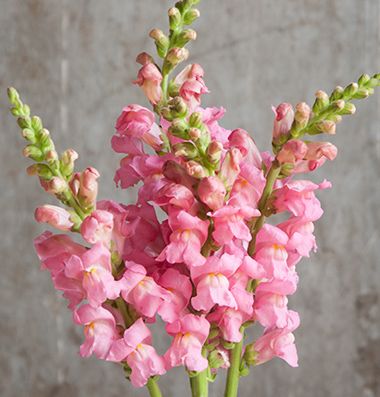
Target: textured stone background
74 60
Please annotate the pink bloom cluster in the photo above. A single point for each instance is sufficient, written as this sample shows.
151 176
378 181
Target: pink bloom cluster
192 268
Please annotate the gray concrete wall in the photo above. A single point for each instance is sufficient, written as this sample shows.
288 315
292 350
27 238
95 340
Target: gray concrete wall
73 62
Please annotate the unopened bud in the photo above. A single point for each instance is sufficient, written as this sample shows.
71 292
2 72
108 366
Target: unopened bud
195 134
214 151
250 354
338 105
177 55
186 36
178 107
36 124
302 114
327 127
190 16
321 101
175 18
166 113
349 108
364 79
33 152
186 149
228 345
216 359
195 120
55 185
195 170
24 122
67 160
45 140
42 170
336 118
144 58
29 135
337 93
13 96
161 41
362 93
179 128
350 90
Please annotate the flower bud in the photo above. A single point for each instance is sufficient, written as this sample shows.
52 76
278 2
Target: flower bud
362 93
349 108
177 55
364 79
179 128
175 18
351 89
292 151
161 41
36 124
54 216
33 152
24 122
250 354
195 170
42 170
29 135
149 79
190 16
68 158
218 359
337 93
321 102
143 58
178 107
327 127
214 151
212 192
230 168
228 345
45 140
51 156
186 149
54 185
88 189
302 114
195 120
185 36
283 121
13 96
195 134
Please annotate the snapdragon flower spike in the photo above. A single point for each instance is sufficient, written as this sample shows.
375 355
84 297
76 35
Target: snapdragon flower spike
135 348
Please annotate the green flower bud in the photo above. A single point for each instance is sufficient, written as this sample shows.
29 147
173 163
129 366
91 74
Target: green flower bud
178 107
326 126
190 16
364 79
177 55
214 332
350 90
337 94
45 141
195 120
33 152
321 102
13 96
215 359
42 170
349 108
29 135
166 113
161 41
228 345
175 18
36 124
185 36
173 89
67 161
179 128
338 105
362 93
186 149
24 122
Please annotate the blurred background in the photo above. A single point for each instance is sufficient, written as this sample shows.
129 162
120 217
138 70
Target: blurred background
73 62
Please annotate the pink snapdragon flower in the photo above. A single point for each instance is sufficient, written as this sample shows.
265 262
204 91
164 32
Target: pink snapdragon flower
230 168
136 124
99 330
212 283
229 223
189 233
279 342
211 117
190 333
316 155
176 195
98 227
240 139
149 79
192 86
180 289
136 349
94 270
141 291
84 185
229 322
212 192
55 216
284 117
293 151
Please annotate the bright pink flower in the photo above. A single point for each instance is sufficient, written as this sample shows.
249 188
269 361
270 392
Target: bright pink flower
136 349
293 151
279 342
298 198
212 192
229 223
94 270
179 287
240 139
54 251
176 195
98 227
192 86
212 283
136 123
149 79
283 121
271 252
301 238
190 333
141 291
99 330
189 235
55 216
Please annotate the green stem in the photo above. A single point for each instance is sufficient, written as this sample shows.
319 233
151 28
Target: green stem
233 374
154 390
199 384
271 179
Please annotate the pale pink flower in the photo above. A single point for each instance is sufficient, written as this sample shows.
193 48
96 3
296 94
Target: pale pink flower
316 155
141 291
278 342
293 151
212 283
284 117
229 321
94 270
211 116
136 349
149 79
99 330
212 192
54 251
190 333
136 123
55 216
189 235
85 186
230 167
179 287
229 223
98 227
240 139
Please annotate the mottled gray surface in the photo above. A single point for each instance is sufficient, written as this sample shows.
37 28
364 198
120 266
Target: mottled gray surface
73 62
